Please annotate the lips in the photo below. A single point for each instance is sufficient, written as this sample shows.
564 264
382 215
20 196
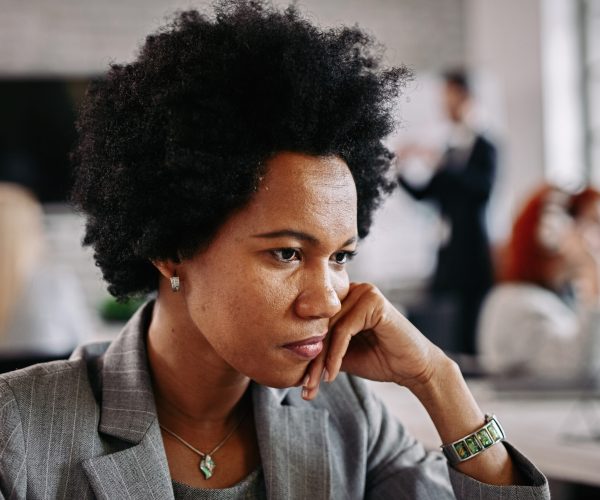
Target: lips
307 348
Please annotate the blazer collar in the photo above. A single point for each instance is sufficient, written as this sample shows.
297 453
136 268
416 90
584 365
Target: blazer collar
128 407
128 412
140 472
292 436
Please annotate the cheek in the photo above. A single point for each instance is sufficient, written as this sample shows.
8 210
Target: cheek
263 302
241 307
246 323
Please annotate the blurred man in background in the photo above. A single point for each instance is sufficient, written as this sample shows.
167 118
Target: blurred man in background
460 184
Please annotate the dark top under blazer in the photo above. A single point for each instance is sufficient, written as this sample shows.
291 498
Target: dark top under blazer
87 427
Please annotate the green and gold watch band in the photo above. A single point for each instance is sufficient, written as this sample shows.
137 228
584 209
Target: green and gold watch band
475 443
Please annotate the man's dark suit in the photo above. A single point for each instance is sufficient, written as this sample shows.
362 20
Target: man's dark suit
464 273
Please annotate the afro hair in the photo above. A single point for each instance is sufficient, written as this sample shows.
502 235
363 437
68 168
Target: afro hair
174 142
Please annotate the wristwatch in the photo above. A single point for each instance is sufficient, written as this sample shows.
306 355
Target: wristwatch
475 443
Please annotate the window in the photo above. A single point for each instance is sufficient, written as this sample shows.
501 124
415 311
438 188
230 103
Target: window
590 22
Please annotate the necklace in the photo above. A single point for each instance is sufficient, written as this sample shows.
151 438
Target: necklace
207 464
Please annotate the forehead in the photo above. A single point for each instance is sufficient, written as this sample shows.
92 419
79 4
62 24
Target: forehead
301 176
306 193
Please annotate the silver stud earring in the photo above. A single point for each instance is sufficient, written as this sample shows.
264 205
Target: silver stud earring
175 285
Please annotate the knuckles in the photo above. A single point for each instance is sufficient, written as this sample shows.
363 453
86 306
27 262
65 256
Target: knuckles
368 302
369 291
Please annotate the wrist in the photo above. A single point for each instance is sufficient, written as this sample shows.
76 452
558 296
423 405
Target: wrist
456 415
431 384
448 401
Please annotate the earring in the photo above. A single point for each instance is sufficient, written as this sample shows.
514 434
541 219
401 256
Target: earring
175 285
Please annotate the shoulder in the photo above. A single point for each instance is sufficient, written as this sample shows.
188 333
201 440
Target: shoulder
19 379
49 410
39 386
29 399
483 142
35 393
518 320
511 308
524 297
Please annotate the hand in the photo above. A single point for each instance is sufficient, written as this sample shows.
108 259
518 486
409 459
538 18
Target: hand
372 339
583 264
429 155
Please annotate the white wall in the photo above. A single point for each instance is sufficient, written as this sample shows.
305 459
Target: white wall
425 34
504 45
80 37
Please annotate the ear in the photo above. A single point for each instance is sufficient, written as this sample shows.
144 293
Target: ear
167 268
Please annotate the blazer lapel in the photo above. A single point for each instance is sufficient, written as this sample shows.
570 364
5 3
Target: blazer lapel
293 447
139 472
128 413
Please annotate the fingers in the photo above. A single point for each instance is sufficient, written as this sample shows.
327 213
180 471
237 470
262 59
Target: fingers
317 370
314 375
360 311
355 292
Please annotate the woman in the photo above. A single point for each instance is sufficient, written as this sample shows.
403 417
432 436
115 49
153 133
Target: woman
42 314
232 168
540 320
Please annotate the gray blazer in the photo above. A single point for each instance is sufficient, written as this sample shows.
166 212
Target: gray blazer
87 427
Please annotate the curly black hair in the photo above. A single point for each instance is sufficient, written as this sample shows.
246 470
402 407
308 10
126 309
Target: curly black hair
171 144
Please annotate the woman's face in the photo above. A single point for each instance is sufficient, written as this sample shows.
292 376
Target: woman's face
275 273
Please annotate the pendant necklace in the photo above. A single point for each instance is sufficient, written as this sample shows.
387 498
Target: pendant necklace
207 464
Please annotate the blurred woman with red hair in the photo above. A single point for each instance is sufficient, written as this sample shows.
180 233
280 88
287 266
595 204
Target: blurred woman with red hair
538 320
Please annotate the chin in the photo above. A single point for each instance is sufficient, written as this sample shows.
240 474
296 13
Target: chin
291 378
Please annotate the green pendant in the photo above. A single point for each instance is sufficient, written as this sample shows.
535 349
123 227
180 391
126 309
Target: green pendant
207 465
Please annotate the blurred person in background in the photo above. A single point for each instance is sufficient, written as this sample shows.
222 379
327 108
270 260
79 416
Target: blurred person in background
538 321
460 183
42 312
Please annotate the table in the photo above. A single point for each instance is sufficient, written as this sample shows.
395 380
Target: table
554 431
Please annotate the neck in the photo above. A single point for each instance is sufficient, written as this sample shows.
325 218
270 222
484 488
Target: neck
193 385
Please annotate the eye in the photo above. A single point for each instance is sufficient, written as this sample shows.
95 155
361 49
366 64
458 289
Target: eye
343 257
286 254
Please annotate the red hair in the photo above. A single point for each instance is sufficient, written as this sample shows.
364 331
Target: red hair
525 257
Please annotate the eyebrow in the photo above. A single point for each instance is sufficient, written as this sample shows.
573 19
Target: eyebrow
299 235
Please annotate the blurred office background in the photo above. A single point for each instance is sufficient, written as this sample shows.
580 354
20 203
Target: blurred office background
535 67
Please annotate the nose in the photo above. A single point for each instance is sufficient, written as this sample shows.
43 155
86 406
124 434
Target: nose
319 299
